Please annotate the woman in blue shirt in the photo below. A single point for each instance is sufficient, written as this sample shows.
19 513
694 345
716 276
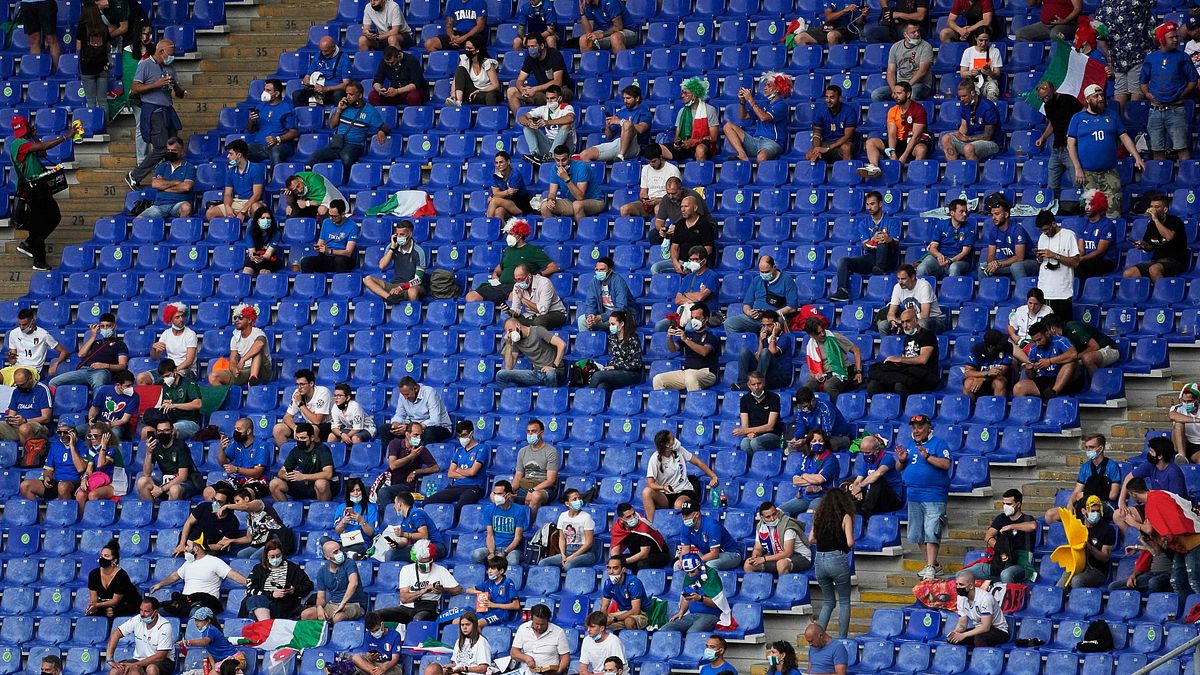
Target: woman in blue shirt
360 516
220 649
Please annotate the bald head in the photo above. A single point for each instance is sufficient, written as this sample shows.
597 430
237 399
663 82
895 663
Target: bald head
965 578
816 636
163 49
327 46
869 445
330 549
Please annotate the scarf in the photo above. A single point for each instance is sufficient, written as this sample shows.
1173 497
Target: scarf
691 125
833 362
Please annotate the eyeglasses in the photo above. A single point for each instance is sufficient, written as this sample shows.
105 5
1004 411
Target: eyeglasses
91 437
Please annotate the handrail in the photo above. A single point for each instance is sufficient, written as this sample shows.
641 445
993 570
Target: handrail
1190 644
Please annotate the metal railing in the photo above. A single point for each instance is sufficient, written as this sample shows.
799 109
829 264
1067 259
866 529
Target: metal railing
1194 643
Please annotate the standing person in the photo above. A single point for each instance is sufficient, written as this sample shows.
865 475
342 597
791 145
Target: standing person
1011 538
1058 109
155 84
832 539
825 656
272 125
1058 255
1092 140
667 483
95 57
37 213
760 130
1126 45
153 642
1166 240
576 535
40 19
927 478
980 621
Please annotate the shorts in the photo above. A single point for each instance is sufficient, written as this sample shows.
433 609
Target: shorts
673 496
1127 81
242 376
174 210
388 286
607 152
164 667
527 484
820 32
757 144
640 621
901 146
40 17
303 489
445 44
1108 356
983 149
352 610
239 205
1168 125
926 520
632 39
494 293
1046 383
1170 267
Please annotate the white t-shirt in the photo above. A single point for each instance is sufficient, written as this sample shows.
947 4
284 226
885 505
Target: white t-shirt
655 182
573 527
544 649
1058 284
383 21
466 654
919 295
1020 320
149 640
203 575
595 653
353 418
671 472
178 344
1192 49
973 58
31 349
801 548
544 113
320 402
1191 430
414 581
241 345
479 79
983 605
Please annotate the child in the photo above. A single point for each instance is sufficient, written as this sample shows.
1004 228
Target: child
501 604
220 649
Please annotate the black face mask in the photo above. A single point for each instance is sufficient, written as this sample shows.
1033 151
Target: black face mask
239 437
164 439
962 592
105 562
171 156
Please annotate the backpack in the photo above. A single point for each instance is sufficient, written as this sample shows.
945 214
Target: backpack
442 285
580 373
1097 638
93 59
1098 483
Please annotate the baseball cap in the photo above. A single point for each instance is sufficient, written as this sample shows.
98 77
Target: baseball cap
202 614
20 125
689 508
919 419
1092 89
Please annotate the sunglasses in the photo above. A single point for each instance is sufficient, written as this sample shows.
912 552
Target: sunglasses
91 437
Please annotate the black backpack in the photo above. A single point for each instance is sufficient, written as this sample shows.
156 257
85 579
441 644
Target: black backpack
1097 638
1098 483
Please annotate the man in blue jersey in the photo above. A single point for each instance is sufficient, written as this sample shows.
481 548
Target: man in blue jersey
1167 79
630 124
925 461
825 656
761 131
1008 244
837 121
1092 139
1053 365
881 250
606 24
354 121
272 126
464 20
974 138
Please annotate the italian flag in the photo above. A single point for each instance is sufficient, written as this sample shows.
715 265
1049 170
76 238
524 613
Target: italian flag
277 633
709 585
1070 72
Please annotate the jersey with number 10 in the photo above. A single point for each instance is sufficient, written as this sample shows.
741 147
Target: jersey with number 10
1096 138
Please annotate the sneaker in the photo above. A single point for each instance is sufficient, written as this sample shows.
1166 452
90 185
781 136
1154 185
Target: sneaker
532 158
130 181
41 267
938 571
23 248
868 171
840 296
927 572
731 626
452 101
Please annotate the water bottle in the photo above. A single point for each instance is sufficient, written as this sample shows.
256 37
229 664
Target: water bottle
715 498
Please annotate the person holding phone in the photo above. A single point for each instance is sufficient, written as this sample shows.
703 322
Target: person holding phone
60 476
100 463
277 586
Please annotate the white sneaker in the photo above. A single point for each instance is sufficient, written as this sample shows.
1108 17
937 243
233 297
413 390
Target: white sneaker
869 171
938 571
926 572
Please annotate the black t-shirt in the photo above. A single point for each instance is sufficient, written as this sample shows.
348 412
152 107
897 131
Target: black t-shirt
1101 535
1161 249
1059 112
1022 541
542 71
759 410
693 360
913 345
213 528
703 233
910 7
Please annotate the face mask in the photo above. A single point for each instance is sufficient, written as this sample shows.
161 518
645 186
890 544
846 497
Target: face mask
171 156
169 380
1152 459
338 558
1093 517
239 437
535 52
402 241
523 285
962 592
766 276
615 578
770 523
773 660
125 391
695 325
105 562
1009 510
597 637
355 499
265 96
690 523
710 654
531 438
553 107
758 394
514 335
106 333
424 567
911 43
164 439
377 634
498 500
464 441
147 619
911 331
1091 454
169 60
233 163
493 574
275 562
1188 408
189 556
415 441
264 223
691 266
631 522
614 328
510 240
601 276
576 504
29 330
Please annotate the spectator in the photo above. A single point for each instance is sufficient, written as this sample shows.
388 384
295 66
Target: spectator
895 18
398 80
517 251
264 527
408 262
101 354
408 459
340 596
1095 349
100 464
349 423
836 24
818 473
1057 21
1165 239
95 52
1011 537
825 656
219 649
927 479
607 24
980 621
548 126
1098 476
505 525
772 289
178 342
272 126
336 249
1058 254
543 349
1185 422
180 403
30 409
1097 238
415 525
1092 140
471 654
1158 472
696 126
1052 369
582 194
576 535
153 642
167 451
979 126
510 193
1152 569
541 646
625 365
536 477
781 659
1058 109
980 66
832 536
825 354
244 181
601 646
626 591
881 250
174 182
759 423
779 546
714 657
548 68
476 80
990 368
536 17
694 228
653 183
975 14
765 134
1023 316
667 484
1167 78
358 522
202 574
842 124
534 300
353 120
210 523
953 244
309 195
27 347
111 593
878 486
916 369
383 26
464 20
772 358
1101 538
1008 245
309 403
155 86
642 545
1189 36
60 477
325 80
907 135
249 360
630 123
607 293
701 353
695 285
910 60
702 602
467 472
308 471
669 211
911 292
707 539
423 585
813 414
418 403
382 646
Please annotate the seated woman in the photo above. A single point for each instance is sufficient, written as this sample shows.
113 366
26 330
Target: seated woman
356 525
576 534
471 652
624 368
276 587
266 251
101 465
111 593
477 79
262 524
667 483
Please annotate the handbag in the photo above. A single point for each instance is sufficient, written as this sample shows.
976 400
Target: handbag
353 538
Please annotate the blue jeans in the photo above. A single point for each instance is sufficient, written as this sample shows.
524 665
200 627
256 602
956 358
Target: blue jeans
614 379
726 560
832 570
882 258
1060 163
185 429
756 144
920 90
1009 575
797 505
541 145
929 267
1017 270
777 376
663 267
280 152
1185 575
1167 129
692 622
250 552
526 378
92 377
740 323
163 211
339 149
926 520
481 554
760 442
582 560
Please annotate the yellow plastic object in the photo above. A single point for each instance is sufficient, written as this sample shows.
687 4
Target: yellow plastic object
1071 556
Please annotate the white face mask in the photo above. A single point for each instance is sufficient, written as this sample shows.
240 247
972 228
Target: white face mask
189 556
514 335
265 96
691 266
169 380
510 239
911 331
464 441
615 578
695 325
498 500
1009 510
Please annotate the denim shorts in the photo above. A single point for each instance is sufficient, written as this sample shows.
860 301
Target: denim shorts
757 144
1168 125
926 521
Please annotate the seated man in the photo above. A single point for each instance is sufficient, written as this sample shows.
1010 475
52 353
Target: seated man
989 370
670 210
308 471
381 645
607 24
695 227
910 60
548 68
696 124
607 292
309 403
952 246
626 590
101 354
1056 20
701 353
517 251
27 345
813 413
399 80
840 122
339 588
309 195
912 292
510 193
464 20
835 25
540 646
779 546
772 359
408 461
544 350
772 289
536 17
178 343
355 122
916 370
408 262
424 585
1008 244
881 250
828 369
1051 365
467 473
980 621
761 131
272 126
1101 539
424 404
249 360
174 184
548 126
337 243
652 183
1012 536
244 181
707 539
505 524
325 78
907 137
630 123
637 540
878 486
759 425
29 411
979 126
383 26
574 191
697 283
1095 348
244 461
1098 249
966 16
60 476
1166 240
534 300
181 402
171 456
536 477
154 639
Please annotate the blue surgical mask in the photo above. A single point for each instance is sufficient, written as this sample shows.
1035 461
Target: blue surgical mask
531 438
1093 517
377 634
339 558
576 504
264 223
402 241
523 285
766 276
614 328
355 499
601 276
1091 454
106 333
169 60
598 637
415 441
147 619
710 654
233 163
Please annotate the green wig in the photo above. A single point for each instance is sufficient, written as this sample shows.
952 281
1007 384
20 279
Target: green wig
697 87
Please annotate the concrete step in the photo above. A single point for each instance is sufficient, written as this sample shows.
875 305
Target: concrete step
269 52
295 26
887 596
